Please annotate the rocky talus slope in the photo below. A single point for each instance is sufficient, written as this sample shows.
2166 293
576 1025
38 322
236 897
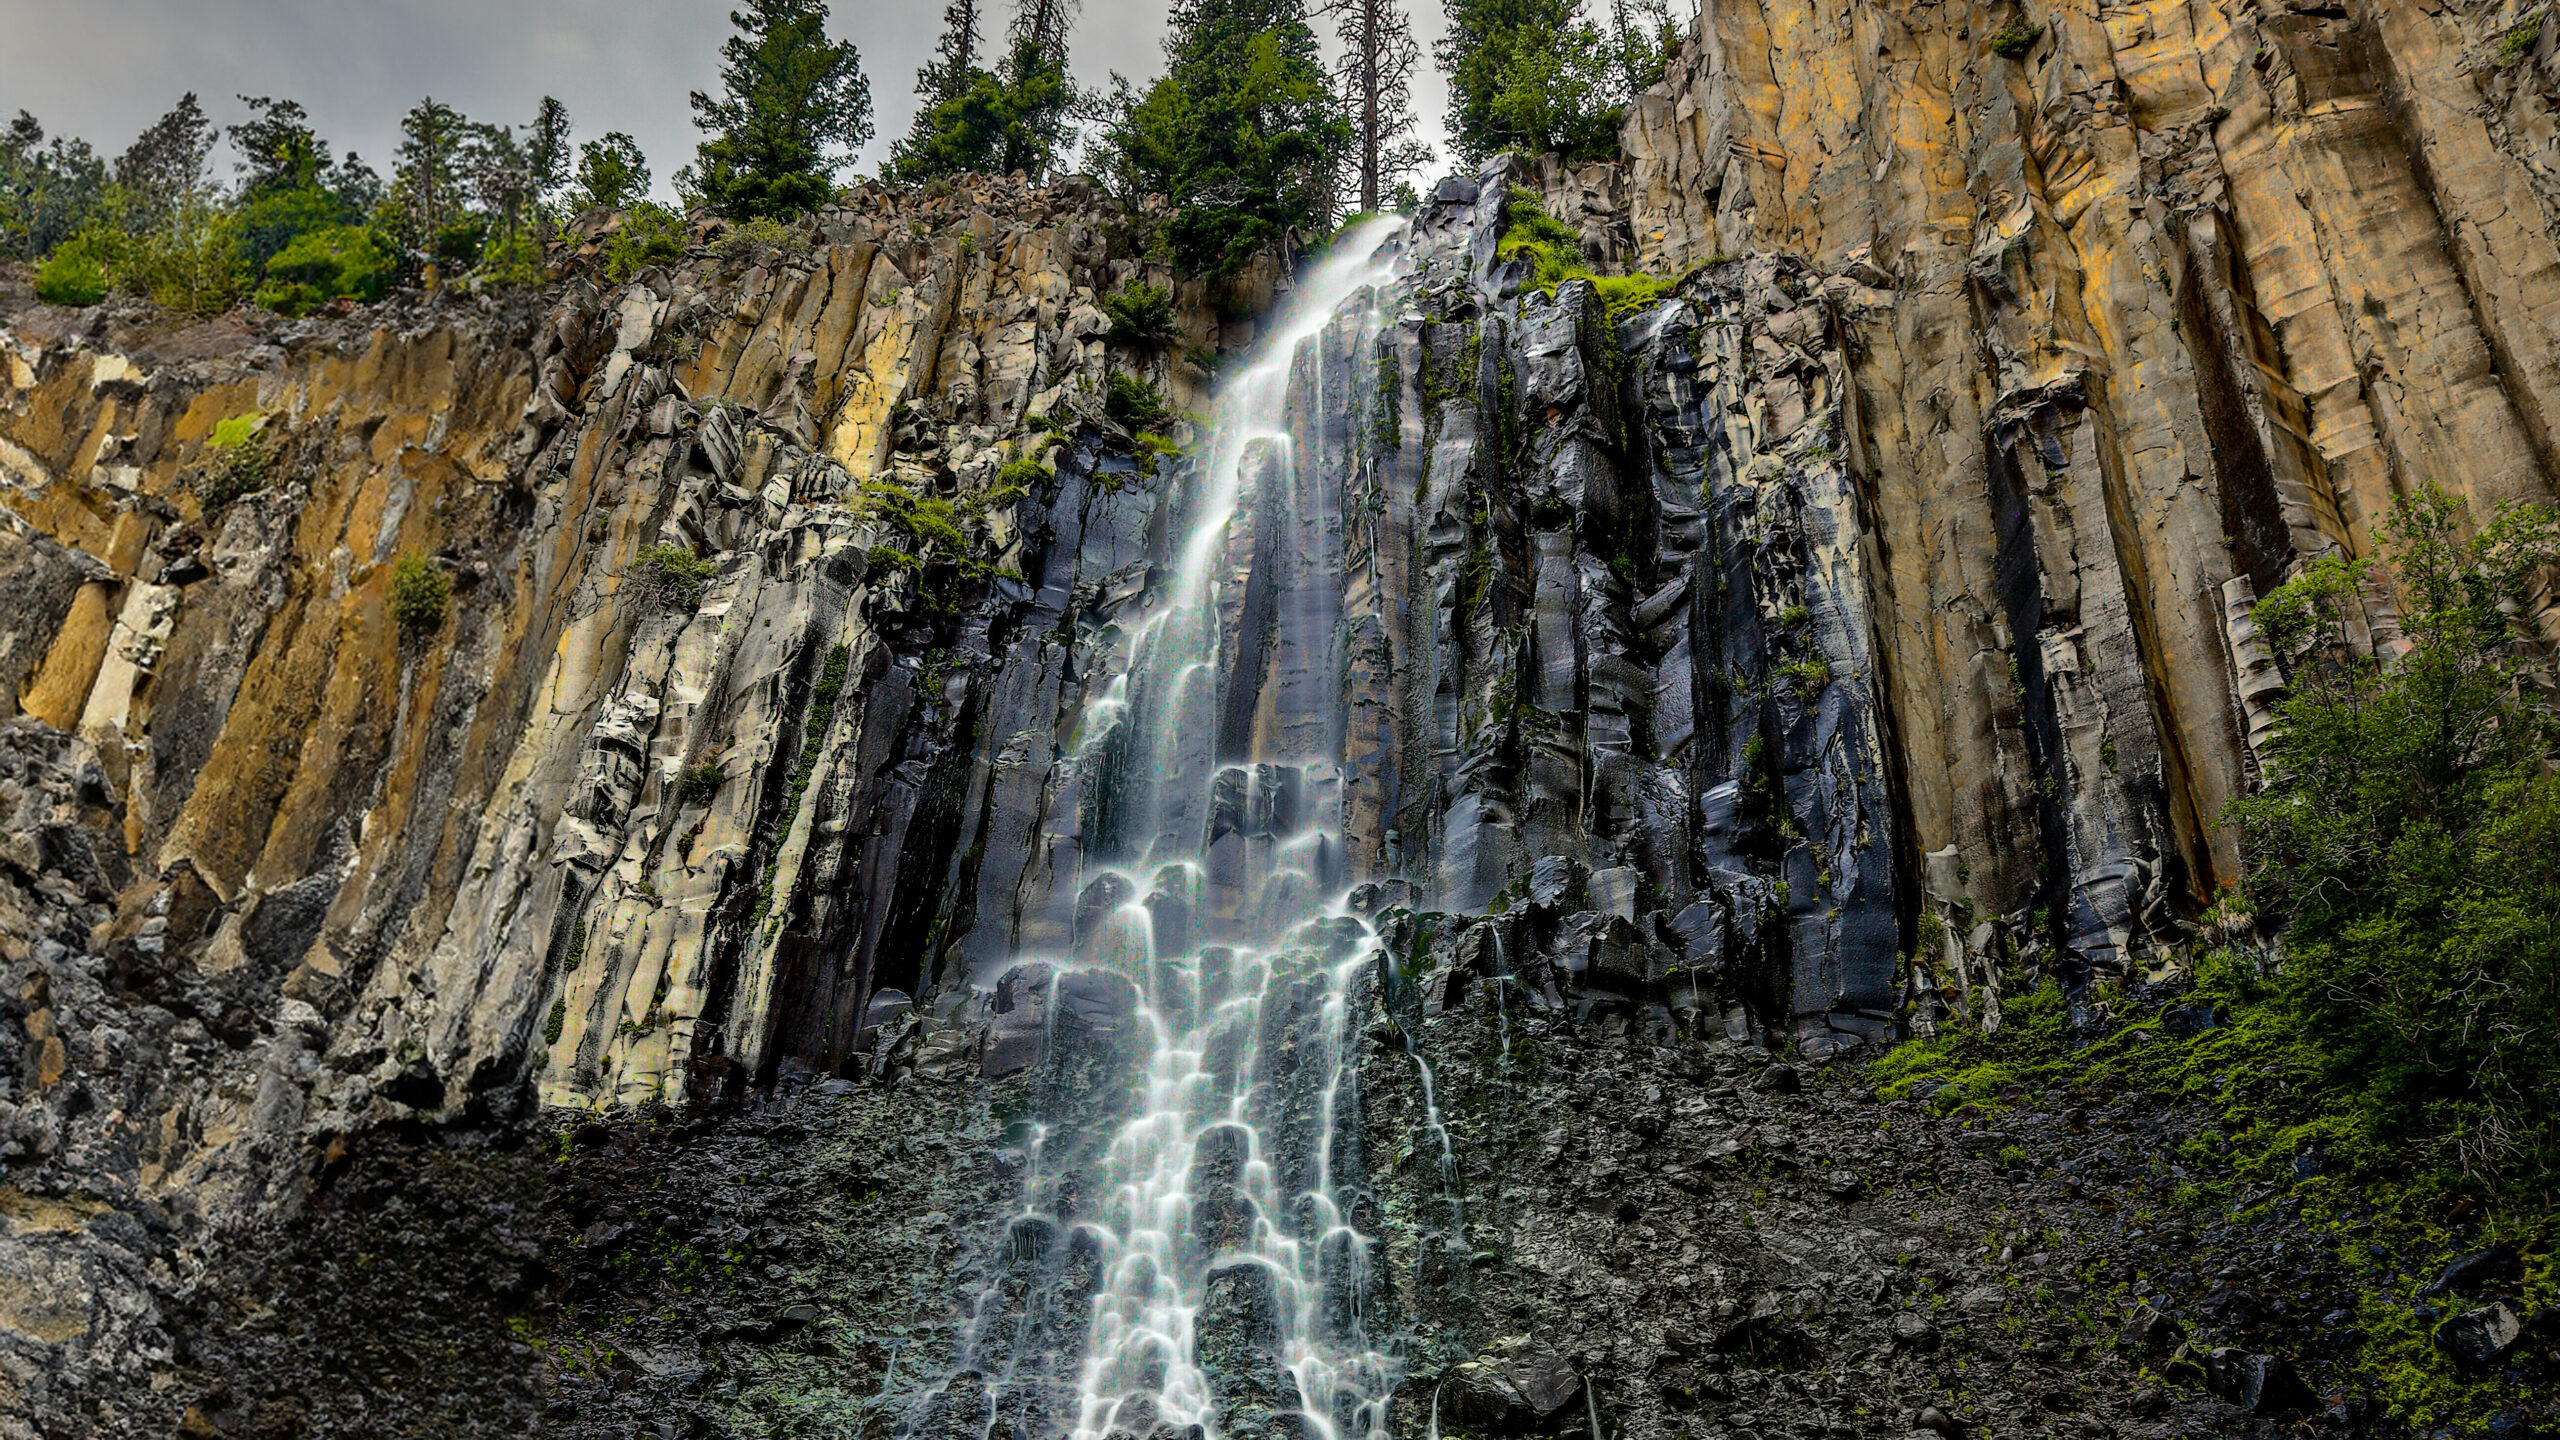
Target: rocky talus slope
1650 680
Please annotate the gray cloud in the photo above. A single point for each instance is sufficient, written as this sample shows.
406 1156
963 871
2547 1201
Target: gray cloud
104 69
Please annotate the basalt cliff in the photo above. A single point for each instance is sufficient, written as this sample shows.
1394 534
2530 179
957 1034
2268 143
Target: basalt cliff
896 892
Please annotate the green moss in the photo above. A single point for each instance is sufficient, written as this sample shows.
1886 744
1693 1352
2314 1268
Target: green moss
421 593
813 734
237 431
1386 425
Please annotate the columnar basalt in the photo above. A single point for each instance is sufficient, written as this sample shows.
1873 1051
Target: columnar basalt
836 689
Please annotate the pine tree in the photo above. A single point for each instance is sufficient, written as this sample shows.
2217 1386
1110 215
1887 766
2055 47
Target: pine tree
547 150
1244 131
793 108
1375 74
167 163
428 170
47 190
1536 75
278 148
612 172
1013 118
954 66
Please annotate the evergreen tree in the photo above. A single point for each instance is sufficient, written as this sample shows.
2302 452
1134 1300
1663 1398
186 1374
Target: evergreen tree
278 148
954 66
612 172
428 176
47 190
546 150
997 121
794 106
166 164
1537 76
1376 77
1243 132
282 170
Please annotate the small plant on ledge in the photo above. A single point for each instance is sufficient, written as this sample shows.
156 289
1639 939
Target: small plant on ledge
2017 39
698 781
670 577
420 595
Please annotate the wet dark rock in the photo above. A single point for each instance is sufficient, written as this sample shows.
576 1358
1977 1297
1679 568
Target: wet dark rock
2479 1339
2470 1272
1779 1080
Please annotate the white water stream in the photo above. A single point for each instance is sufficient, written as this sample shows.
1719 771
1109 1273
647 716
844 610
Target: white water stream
1213 1216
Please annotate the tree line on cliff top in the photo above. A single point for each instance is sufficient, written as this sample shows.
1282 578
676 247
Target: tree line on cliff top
1258 129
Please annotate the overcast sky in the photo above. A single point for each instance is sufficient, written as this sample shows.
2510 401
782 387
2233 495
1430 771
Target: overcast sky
104 69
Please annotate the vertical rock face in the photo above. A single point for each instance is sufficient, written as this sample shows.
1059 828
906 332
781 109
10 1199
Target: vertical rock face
2140 318
1881 588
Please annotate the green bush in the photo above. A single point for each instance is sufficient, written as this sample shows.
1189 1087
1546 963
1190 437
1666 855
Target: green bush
670 577
747 238
2016 39
698 781
553 1023
2410 832
1141 315
241 461
1133 402
927 519
321 265
649 235
1022 476
421 593
73 275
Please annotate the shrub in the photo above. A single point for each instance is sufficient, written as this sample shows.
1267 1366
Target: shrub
670 577
2410 832
650 234
420 595
1808 676
73 275
1152 448
2014 41
927 519
1141 315
242 461
321 265
1133 402
1021 477
553 1023
747 237
1554 252
698 781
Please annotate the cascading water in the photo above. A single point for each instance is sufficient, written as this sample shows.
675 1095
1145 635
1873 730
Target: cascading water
1201 1227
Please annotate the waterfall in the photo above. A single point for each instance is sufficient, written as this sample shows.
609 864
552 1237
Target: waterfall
1208 1243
